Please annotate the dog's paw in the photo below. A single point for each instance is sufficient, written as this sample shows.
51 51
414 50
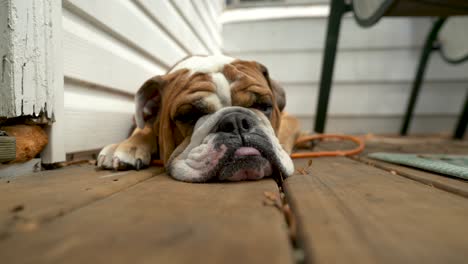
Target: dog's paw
124 156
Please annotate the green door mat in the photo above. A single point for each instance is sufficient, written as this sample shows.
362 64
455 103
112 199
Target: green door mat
453 165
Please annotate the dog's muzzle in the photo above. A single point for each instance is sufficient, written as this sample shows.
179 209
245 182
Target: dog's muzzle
232 144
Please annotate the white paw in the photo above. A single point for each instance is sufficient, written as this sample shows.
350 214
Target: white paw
124 156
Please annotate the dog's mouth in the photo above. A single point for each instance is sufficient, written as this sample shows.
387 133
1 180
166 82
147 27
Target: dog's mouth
247 163
249 158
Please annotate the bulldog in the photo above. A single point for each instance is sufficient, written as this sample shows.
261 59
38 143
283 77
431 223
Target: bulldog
209 118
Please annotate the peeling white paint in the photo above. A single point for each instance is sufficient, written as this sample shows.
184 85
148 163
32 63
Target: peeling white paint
27 57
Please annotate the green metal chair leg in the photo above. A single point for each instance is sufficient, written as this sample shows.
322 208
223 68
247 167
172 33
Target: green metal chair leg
428 47
338 8
462 121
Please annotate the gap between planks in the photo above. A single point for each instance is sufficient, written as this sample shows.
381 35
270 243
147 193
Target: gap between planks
417 146
163 221
351 212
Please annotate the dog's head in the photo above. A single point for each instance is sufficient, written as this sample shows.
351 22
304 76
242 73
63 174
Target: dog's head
216 118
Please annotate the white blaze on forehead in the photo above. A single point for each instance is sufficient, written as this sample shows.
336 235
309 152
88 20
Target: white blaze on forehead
204 64
223 89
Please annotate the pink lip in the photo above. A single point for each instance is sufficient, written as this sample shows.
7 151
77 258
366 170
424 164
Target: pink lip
247 151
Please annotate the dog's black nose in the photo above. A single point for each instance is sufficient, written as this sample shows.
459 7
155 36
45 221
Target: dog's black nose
236 123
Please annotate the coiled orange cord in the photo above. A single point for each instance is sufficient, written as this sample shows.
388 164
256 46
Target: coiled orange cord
311 154
301 155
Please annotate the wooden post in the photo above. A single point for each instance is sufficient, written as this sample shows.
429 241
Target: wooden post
55 150
31 74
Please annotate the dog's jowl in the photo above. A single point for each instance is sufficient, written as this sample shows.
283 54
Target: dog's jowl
209 118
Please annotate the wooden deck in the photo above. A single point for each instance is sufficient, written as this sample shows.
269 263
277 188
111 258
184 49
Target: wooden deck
344 210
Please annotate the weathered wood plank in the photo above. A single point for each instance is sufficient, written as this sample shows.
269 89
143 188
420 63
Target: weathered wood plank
28 45
419 146
163 221
449 184
349 212
416 145
27 202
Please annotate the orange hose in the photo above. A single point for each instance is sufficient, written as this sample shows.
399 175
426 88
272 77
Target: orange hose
334 153
302 155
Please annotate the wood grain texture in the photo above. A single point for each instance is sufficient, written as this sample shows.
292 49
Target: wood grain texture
415 145
27 47
163 221
449 184
27 202
419 146
55 151
349 212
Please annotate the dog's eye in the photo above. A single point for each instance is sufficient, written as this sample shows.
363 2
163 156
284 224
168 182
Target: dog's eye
266 108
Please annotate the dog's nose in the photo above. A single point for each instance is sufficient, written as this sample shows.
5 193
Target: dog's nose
236 123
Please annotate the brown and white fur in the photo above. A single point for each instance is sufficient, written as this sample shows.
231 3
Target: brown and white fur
209 118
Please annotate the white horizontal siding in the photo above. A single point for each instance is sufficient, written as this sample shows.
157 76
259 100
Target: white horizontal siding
110 50
374 70
297 34
130 25
94 117
377 99
192 18
421 124
93 56
391 65
165 13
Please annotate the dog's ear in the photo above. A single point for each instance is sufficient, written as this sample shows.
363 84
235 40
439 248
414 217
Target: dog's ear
148 100
278 91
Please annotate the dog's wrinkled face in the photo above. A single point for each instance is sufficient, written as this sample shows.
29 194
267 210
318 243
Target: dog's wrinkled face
216 118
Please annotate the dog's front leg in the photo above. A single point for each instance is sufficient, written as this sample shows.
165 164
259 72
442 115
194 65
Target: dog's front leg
133 153
289 132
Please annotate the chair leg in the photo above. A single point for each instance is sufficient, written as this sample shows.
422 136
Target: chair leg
462 121
338 8
428 47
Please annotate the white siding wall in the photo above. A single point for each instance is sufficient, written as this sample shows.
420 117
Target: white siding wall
373 71
111 47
